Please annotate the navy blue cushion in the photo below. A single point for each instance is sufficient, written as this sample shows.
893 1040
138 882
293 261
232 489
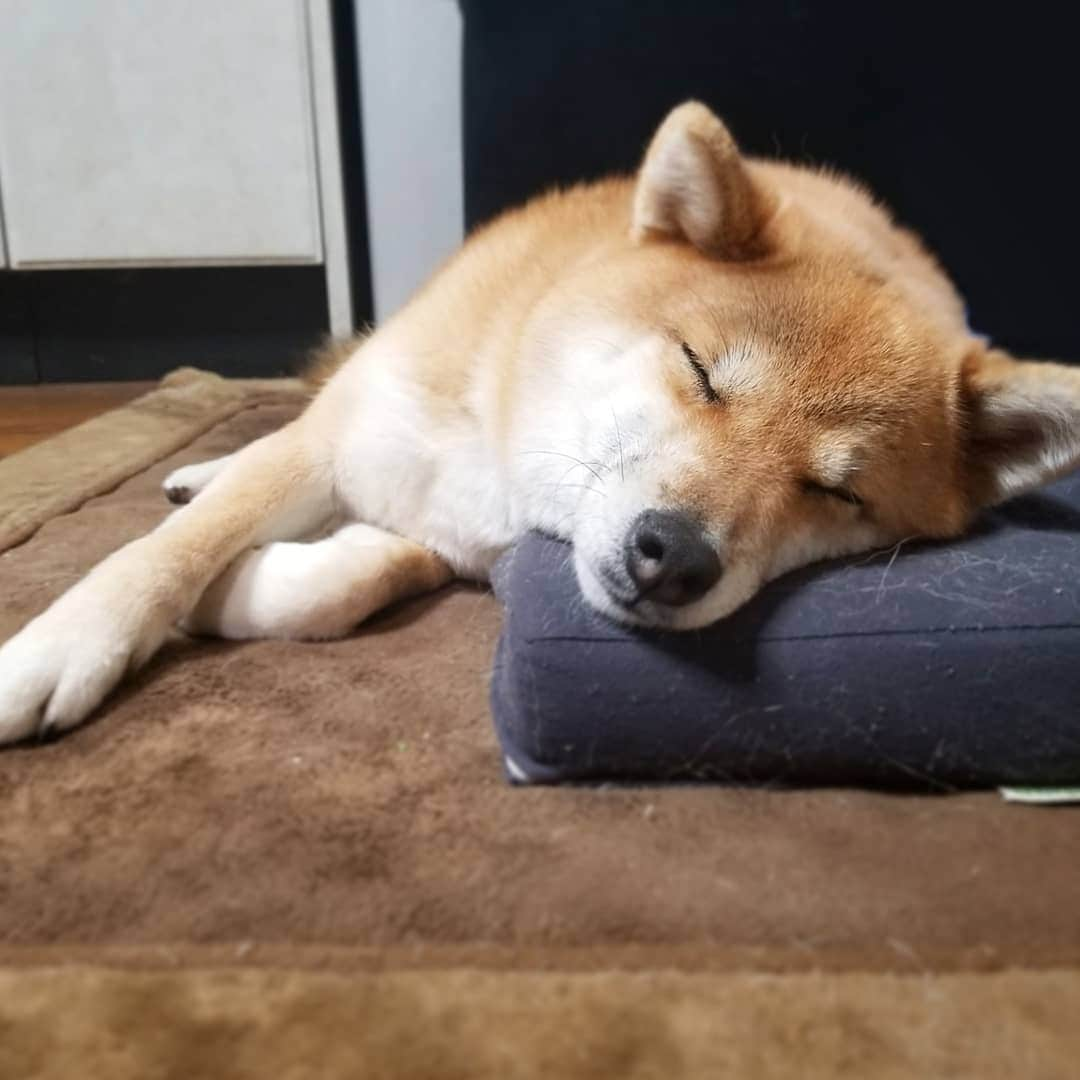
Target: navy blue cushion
938 665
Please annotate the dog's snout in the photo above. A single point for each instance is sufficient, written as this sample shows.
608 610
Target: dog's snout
669 558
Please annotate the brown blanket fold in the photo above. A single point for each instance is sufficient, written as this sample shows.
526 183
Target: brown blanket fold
60 474
97 1024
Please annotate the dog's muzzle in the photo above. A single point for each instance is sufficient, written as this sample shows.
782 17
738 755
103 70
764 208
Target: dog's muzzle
669 559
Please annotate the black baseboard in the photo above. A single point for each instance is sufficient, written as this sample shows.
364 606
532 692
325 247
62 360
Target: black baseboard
18 357
83 325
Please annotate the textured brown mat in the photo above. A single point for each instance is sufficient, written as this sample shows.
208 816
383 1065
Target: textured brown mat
342 805
97 1024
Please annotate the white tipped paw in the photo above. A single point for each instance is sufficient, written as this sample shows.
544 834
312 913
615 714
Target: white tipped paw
182 485
276 591
310 591
59 667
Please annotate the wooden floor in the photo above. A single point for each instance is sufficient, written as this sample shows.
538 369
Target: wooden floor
29 414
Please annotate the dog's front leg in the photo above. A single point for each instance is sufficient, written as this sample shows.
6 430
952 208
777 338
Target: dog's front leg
56 670
318 590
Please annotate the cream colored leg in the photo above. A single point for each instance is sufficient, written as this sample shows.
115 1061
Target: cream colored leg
316 590
57 669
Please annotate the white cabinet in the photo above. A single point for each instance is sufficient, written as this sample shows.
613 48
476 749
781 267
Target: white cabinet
192 132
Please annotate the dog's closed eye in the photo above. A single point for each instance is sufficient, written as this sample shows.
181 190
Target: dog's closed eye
699 369
819 490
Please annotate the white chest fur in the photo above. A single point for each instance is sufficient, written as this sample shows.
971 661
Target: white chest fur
422 468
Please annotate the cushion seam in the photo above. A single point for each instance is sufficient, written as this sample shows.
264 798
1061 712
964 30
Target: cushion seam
583 639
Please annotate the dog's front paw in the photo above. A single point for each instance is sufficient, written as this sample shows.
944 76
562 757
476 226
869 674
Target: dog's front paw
59 667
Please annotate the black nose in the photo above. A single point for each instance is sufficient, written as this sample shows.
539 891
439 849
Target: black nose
669 559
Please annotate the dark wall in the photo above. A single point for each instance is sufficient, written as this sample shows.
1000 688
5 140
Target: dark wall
959 116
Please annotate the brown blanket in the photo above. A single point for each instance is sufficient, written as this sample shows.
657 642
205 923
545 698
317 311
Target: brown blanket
340 809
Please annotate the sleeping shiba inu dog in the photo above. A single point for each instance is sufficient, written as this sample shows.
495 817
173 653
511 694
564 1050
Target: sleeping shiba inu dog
702 376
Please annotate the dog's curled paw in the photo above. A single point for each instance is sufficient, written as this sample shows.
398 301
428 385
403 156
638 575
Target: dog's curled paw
183 484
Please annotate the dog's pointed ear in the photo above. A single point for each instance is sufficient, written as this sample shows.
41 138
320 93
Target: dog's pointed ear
694 185
1022 423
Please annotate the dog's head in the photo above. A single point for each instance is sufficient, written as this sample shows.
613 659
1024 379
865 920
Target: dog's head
756 383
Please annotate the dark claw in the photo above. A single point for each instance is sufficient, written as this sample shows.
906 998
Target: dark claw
47 732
